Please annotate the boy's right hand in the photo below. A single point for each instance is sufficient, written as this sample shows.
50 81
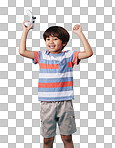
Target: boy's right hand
26 29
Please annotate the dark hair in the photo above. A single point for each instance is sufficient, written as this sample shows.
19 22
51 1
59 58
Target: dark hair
58 32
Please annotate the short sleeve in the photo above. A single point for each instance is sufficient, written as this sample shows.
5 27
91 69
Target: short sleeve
36 57
75 59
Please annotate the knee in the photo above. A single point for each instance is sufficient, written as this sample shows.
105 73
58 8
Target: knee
66 138
48 141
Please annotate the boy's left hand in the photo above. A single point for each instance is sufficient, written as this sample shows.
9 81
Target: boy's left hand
77 29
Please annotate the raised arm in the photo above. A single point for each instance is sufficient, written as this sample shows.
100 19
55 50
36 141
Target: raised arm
87 48
22 46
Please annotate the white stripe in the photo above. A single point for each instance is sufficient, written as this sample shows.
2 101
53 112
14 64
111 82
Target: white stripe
55 94
56 75
47 57
58 58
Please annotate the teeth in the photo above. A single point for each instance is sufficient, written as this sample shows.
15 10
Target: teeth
52 46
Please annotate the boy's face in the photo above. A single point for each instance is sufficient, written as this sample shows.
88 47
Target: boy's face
54 44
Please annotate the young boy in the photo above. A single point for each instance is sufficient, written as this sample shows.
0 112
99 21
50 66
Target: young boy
55 86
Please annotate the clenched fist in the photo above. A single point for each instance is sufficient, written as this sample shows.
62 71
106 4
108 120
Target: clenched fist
77 29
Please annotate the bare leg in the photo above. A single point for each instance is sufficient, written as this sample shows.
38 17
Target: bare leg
67 140
48 142
48 146
68 145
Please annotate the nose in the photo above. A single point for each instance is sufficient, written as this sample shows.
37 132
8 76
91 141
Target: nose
51 40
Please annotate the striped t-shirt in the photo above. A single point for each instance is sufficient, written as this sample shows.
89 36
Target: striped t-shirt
55 81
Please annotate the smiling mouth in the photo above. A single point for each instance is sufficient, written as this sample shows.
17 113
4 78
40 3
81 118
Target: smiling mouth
52 47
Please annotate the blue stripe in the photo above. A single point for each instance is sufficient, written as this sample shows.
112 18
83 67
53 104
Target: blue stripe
56 89
55 98
51 80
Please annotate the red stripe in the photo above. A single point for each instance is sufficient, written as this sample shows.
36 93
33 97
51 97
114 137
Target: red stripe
49 66
36 57
56 84
70 64
75 57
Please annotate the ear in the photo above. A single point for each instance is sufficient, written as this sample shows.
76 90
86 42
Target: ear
64 44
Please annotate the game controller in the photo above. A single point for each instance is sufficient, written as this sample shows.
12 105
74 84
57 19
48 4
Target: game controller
32 19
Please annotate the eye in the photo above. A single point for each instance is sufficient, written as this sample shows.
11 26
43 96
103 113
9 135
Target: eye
47 39
55 38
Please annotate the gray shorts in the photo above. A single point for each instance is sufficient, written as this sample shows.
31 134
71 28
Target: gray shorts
54 112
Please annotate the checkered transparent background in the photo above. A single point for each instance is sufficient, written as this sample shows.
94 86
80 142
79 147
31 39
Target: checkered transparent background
94 78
